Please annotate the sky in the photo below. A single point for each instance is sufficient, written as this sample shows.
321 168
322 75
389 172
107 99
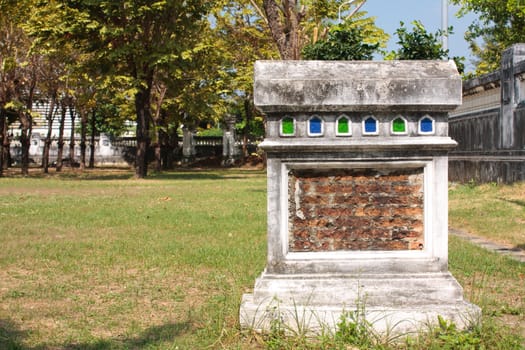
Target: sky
389 13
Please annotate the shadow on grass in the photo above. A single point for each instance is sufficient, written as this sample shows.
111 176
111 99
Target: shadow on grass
108 174
151 336
12 338
514 201
205 174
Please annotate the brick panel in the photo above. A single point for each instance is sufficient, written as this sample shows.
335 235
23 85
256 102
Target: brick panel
355 209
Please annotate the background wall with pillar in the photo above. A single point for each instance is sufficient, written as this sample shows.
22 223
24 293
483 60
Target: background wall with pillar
490 124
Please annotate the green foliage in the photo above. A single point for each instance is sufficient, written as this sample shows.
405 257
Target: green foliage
419 44
126 47
447 333
14 47
276 338
354 329
341 44
500 24
358 38
216 132
254 127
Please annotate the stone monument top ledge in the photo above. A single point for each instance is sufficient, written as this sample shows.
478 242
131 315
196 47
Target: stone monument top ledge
347 86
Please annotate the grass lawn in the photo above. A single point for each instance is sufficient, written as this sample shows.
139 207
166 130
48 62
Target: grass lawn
493 211
102 261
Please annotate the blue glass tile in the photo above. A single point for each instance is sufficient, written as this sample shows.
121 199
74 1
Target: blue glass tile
316 126
370 125
426 125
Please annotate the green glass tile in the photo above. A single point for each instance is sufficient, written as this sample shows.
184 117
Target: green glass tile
287 126
342 126
399 125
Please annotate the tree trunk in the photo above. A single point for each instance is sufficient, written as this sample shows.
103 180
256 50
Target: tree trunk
26 120
172 147
161 142
143 110
47 142
25 140
246 132
92 141
158 153
4 145
2 136
83 131
72 137
164 149
60 152
284 22
159 123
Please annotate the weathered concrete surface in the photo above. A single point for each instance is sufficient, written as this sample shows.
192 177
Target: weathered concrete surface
283 86
408 288
390 303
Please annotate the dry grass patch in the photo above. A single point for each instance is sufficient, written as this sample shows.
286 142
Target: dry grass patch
109 263
95 261
492 211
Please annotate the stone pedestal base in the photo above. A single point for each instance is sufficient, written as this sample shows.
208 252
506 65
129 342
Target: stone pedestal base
390 303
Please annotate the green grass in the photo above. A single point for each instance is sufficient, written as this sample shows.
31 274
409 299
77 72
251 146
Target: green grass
493 211
156 262
102 261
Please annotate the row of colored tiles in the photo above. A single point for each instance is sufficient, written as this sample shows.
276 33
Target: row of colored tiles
343 126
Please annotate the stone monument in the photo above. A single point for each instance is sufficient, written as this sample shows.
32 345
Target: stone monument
230 151
188 144
357 195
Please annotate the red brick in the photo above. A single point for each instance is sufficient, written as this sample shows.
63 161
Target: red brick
416 245
317 199
397 178
400 190
391 245
342 188
334 212
320 222
375 233
325 233
325 246
363 206
303 234
345 199
352 221
408 212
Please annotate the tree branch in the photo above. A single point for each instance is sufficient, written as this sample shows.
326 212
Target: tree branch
358 7
258 9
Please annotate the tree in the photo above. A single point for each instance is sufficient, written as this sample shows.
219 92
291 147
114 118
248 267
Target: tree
357 38
293 24
501 24
18 73
50 86
419 44
129 40
243 37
